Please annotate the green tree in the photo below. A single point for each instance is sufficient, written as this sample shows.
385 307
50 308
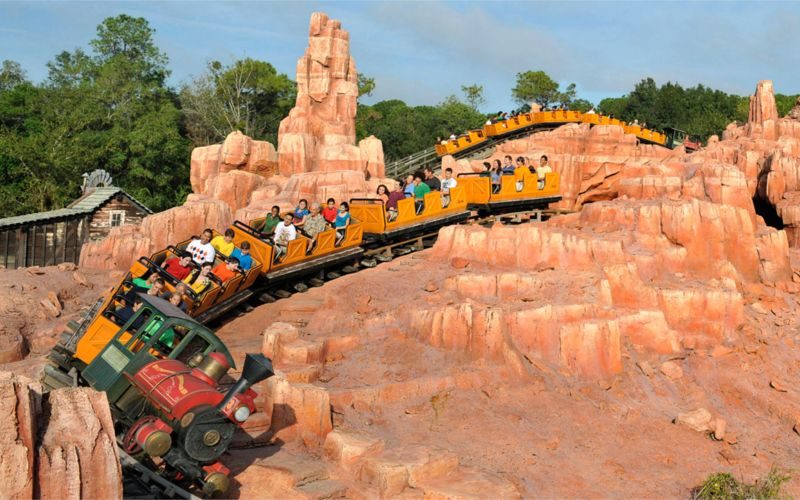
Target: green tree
535 86
107 109
366 85
473 95
11 75
247 95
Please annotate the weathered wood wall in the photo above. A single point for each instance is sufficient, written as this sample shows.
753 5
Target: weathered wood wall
100 223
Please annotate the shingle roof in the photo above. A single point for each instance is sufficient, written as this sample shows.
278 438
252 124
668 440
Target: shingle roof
84 205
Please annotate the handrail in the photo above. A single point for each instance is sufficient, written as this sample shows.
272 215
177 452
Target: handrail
248 229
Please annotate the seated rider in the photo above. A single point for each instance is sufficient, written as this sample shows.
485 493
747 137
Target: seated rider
180 267
342 220
224 244
284 233
226 270
420 190
329 212
272 220
449 182
300 213
394 197
201 248
542 170
199 281
315 222
243 255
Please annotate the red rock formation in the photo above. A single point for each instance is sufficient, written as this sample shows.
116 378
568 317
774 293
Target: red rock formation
319 133
78 450
20 406
590 160
66 451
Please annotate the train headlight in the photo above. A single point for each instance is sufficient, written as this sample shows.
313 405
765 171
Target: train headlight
242 413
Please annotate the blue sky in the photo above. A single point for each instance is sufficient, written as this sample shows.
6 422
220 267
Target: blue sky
423 51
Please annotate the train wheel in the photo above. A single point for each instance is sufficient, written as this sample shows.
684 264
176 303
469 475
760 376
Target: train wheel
282 294
316 282
384 257
369 263
332 275
349 269
300 287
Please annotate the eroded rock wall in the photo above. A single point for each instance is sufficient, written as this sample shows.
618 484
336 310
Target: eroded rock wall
61 445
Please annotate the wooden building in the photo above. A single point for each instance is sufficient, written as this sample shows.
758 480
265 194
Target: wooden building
50 238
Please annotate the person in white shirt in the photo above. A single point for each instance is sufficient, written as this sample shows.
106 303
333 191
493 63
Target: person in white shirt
448 183
284 233
201 248
542 170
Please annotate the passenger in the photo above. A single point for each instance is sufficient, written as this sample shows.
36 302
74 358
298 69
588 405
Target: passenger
157 288
591 111
420 190
315 223
448 183
543 170
144 284
243 255
409 186
383 193
487 169
329 212
342 221
394 197
200 281
284 233
176 299
300 213
431 180
272 220
180 289
452 137
497 176
508 167
224 244
201 248
180 267
226 270
520 173
127 312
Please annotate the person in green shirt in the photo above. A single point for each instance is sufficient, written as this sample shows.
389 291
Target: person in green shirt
420 190
272 220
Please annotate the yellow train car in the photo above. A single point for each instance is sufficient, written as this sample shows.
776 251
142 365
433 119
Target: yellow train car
303 255
512 193
466 142
410 219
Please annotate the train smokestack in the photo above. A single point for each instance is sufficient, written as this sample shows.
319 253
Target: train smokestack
257 367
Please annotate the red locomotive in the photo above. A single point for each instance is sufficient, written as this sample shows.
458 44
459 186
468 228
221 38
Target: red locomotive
189 422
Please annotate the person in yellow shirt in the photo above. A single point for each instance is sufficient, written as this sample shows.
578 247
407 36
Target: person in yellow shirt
199 281
521 173
224 244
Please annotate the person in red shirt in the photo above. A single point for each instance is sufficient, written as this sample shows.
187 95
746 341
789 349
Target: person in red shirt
226 270
330 211
180 267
